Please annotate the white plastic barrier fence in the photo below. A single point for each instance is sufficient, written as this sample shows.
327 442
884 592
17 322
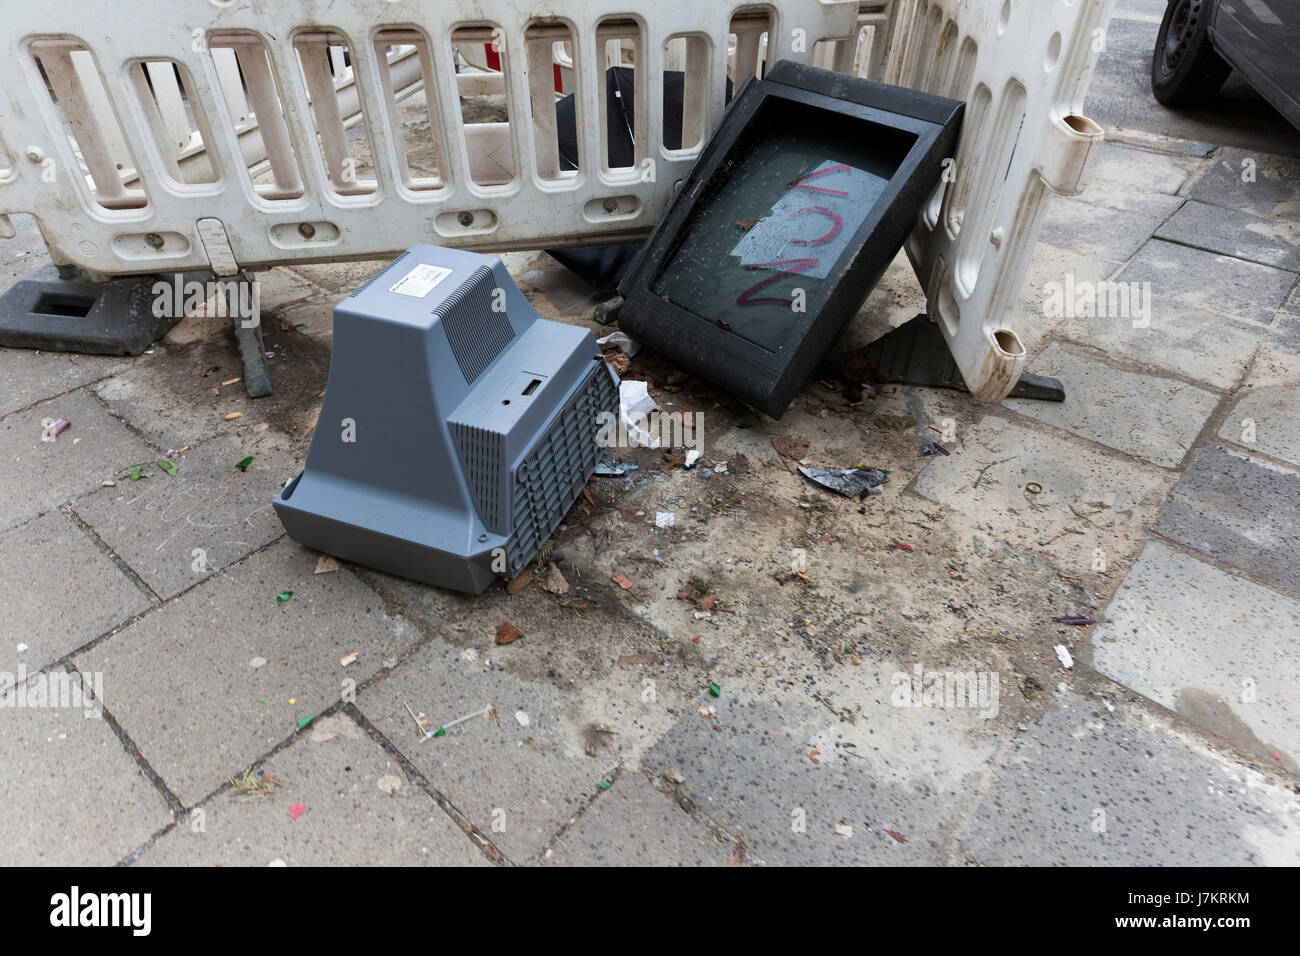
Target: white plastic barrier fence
167 135
1023 67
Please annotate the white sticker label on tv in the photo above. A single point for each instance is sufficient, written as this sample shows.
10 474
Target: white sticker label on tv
420 281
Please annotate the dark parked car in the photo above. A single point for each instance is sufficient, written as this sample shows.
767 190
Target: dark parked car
1202 41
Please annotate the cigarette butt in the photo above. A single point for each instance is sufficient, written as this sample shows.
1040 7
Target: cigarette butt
231 416
230 381
347 659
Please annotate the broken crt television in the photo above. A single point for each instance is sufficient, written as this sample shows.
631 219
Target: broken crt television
458 427
797 204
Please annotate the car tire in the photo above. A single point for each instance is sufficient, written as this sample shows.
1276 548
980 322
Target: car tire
1185 70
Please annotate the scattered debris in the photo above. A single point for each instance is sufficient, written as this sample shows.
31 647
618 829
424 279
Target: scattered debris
520 581
739 463
389 783
622 580
621 341
257 662
167 466
692 457
902 547
304 722
231 416
347 659
674 776
421 722
284 596
844 830
1075 621
849 482
507 633
791 446
933 448
744 225
253 785
296 810
897 836
229 381
714 690
555 582
1064 656
442 731
615 469
326 564
523 718
52 428
665 519
635 406
135 474
812 755
243 463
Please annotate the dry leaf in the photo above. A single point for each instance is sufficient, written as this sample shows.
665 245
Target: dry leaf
622 580
326 564
792 446
507 633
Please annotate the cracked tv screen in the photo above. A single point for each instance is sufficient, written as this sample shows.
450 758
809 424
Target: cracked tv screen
780 212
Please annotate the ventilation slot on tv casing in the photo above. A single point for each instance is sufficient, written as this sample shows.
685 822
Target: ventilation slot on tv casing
476 332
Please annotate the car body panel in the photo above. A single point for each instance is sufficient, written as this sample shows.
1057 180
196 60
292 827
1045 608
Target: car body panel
1260 39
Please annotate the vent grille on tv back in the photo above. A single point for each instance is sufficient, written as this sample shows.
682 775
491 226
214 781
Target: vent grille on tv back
557 466
480 454
371 281
477 332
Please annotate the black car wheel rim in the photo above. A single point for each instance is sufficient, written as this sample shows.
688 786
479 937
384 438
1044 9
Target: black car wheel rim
1182 25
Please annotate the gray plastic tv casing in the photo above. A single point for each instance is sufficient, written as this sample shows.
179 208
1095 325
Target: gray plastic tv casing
451 466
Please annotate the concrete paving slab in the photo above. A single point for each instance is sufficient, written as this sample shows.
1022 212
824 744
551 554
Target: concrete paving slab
1222 651
634 824
1204 346
24 253
1156 419
182 680
1231 232
776 766
517 783
1049 270
348 819
60 592
1210 282
1092 786
209 505
1085 500
1267 419
1241 511
1253 181
1122 175
37 476
280 287
169 400
27 377
340 276
1098 230
314 317
70 794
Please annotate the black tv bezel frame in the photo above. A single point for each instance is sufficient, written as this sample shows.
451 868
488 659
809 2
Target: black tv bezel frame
769 379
